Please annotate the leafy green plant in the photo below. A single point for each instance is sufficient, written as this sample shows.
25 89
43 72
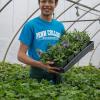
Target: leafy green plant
79 83
69 44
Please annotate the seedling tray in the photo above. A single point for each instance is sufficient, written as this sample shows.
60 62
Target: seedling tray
77 57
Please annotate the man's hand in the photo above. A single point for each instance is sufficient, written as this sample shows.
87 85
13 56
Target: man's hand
54 70
51 69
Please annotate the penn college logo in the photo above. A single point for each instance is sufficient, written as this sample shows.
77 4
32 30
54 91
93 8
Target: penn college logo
48 34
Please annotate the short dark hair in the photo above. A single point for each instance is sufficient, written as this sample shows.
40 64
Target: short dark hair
55 1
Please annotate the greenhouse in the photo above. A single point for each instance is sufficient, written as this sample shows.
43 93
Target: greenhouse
76 54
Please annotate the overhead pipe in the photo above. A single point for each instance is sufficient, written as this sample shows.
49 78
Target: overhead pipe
5 6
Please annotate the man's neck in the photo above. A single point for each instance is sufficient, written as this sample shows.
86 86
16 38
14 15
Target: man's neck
47 18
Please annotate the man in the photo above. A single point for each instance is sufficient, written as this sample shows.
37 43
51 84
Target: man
35 37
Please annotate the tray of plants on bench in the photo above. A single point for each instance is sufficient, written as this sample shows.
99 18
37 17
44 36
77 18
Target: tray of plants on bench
71 47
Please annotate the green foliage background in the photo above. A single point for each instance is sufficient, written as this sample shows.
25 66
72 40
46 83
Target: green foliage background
79 83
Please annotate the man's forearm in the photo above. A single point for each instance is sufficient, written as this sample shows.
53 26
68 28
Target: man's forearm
29 61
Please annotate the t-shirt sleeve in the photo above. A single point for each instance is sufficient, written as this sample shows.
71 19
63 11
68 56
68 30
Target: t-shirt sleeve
26 35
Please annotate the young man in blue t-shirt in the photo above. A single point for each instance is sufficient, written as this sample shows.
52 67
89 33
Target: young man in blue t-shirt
35 37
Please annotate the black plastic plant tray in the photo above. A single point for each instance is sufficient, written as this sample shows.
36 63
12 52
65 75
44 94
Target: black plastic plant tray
77 57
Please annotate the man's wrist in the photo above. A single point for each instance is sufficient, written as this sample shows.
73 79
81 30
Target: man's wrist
44 66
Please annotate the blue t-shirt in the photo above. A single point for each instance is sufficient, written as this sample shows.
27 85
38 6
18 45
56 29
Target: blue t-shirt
38 33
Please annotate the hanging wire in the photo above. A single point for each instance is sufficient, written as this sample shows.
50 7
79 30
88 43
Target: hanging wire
77 11
66 10
5 6
82 16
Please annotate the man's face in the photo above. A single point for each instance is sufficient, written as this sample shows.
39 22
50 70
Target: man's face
47 7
